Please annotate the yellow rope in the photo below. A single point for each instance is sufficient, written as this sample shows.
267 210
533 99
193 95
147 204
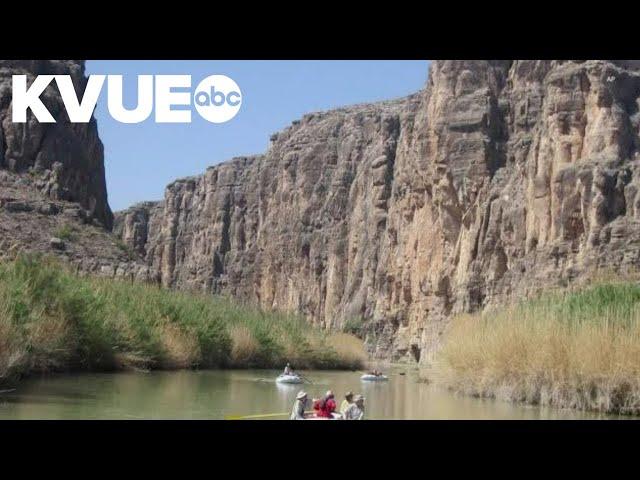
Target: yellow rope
235 417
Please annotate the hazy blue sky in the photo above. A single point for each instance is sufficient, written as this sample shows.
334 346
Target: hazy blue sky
141 159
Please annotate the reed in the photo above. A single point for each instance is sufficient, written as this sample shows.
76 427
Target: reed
54 320
578 349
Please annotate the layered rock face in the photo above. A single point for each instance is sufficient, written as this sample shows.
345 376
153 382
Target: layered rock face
499 179
66 158
53 196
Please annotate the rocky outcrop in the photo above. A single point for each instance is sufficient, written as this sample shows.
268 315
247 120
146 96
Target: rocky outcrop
30 221
499 179
52 183
65 158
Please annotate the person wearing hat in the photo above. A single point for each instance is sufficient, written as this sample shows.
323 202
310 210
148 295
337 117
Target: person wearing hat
356 409
348 400
299 406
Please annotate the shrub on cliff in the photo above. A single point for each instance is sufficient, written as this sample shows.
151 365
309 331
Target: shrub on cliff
354 326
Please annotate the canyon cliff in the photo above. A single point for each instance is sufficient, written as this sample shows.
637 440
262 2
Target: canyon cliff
52 181
497 180
67 158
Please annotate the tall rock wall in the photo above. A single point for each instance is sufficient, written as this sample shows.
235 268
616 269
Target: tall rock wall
499 179
52 182
66 158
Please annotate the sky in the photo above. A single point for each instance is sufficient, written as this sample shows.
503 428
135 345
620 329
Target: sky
141 159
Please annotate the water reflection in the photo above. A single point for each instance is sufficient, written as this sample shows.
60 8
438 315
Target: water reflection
217 394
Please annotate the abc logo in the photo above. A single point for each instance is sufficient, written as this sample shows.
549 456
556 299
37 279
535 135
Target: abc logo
217 98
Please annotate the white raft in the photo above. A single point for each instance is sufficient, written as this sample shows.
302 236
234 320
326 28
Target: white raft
373 378
282 378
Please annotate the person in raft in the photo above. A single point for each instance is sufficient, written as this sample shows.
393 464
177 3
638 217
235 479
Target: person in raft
348 400
299 406
288 370
325 406
355 410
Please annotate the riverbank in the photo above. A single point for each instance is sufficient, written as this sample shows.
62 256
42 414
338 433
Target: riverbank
52 320
578 349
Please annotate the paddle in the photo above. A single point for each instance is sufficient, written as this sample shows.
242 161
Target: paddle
263 415
390 374
243 417
305 378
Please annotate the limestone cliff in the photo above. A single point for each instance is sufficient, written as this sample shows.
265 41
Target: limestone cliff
498 179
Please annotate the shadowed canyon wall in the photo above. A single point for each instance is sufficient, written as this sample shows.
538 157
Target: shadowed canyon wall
52 181
66 158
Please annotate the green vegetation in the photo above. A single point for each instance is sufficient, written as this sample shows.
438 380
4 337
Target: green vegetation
66 232
579 349
354 326
126 249
54 320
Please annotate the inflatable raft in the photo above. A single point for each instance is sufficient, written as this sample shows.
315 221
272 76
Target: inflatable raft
289 379
335 416
367 377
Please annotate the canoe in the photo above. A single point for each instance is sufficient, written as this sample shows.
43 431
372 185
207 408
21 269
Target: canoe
289 379
374 378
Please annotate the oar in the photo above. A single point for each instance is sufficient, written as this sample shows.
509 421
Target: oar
305 378
263 415
387 374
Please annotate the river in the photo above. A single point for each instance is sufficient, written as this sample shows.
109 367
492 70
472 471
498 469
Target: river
216 394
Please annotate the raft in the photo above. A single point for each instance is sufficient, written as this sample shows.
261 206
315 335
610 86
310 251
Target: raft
289 379
335 416
373 378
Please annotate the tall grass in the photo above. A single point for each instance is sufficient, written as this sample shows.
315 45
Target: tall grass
54 320
579 349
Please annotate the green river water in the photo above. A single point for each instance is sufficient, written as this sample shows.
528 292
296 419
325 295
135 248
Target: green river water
215 394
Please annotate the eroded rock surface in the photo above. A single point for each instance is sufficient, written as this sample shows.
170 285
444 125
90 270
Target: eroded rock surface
499 179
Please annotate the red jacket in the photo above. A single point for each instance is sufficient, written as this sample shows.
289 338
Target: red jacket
325 407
